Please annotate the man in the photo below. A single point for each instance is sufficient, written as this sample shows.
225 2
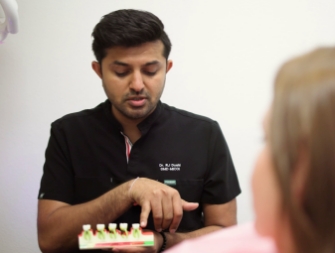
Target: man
132 158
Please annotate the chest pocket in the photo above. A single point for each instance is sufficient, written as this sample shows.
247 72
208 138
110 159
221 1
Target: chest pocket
189 189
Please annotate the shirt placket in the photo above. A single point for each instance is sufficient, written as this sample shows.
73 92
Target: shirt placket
129 146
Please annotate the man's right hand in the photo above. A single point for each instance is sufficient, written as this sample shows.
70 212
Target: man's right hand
165 203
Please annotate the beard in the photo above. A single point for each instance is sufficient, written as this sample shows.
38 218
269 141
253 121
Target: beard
123 105
135 112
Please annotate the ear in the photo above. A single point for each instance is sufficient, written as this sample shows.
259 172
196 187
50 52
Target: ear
169 65
97 68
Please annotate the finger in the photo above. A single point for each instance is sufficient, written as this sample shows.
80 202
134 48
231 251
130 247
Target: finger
189 206
157 214
177 213
145 210
167 207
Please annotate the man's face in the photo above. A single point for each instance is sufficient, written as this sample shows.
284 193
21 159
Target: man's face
133 79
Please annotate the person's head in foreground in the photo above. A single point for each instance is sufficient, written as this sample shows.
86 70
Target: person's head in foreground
294 178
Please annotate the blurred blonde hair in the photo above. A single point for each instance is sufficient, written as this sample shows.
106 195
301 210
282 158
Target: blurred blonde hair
303 121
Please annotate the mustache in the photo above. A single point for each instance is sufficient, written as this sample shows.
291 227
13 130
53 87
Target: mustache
132 94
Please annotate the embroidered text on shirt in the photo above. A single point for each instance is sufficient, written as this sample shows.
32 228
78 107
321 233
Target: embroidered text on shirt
169 166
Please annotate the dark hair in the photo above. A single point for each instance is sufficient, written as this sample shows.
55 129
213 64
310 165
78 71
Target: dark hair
128 28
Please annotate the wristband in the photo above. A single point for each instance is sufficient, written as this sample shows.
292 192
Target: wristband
164 242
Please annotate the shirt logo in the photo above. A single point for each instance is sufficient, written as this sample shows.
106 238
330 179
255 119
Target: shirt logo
170 182
169 166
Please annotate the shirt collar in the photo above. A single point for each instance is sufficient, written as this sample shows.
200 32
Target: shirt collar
144 126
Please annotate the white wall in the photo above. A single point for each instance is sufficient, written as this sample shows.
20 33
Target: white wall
225 56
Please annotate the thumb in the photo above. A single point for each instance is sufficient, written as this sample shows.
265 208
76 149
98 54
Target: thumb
189 206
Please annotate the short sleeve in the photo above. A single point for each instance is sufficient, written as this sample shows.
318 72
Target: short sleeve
221 183
57 182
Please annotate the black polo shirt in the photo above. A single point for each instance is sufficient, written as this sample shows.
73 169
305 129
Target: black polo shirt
86 157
